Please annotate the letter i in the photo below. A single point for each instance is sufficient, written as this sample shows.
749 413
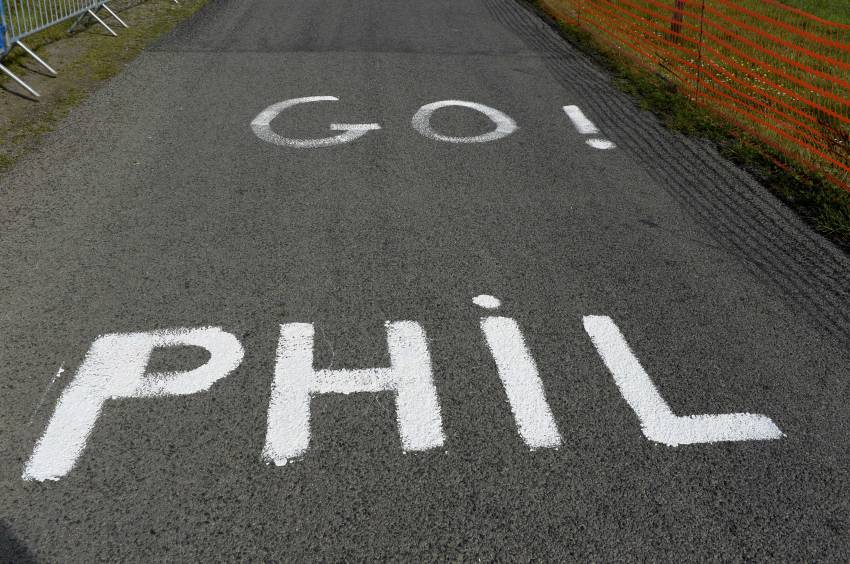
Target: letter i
519 376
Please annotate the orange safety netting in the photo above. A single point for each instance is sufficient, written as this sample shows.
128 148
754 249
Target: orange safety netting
779 73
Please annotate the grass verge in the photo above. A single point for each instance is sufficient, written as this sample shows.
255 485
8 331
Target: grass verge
83 60
822 205
835 10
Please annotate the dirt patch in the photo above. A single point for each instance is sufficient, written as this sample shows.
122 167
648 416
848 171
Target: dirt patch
82 59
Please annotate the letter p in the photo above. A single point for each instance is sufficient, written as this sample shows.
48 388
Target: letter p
114 368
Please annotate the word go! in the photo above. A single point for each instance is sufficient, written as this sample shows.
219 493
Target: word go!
504 125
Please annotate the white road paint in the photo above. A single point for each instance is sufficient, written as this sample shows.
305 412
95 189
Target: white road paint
603 144
580 121
487 301
44 394
657 420
296 381
114 368
504 124
520 378
586 127
350 131
116 364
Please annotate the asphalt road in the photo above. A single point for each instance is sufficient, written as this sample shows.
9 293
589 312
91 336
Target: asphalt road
155 206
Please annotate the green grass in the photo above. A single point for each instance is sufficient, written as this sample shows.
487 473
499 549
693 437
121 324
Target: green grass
779 86
834 10
100 57
825 207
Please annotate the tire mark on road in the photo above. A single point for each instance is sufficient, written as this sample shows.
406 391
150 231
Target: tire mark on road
741 215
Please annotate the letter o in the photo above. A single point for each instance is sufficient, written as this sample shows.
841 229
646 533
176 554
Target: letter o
504 124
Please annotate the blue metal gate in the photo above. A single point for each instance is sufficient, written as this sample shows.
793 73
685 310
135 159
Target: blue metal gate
22 18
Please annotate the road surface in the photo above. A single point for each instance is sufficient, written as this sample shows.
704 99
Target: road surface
362 280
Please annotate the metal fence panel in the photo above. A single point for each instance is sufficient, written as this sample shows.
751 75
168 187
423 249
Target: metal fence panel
22 18
25 17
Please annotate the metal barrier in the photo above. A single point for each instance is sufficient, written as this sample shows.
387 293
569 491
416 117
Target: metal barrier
778 73
22 18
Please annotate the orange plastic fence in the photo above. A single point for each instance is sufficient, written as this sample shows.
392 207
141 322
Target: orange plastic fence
779 73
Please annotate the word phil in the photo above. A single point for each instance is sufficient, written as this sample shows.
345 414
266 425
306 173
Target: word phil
115 367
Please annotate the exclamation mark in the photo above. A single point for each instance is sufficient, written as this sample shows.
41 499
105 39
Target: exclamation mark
586 127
